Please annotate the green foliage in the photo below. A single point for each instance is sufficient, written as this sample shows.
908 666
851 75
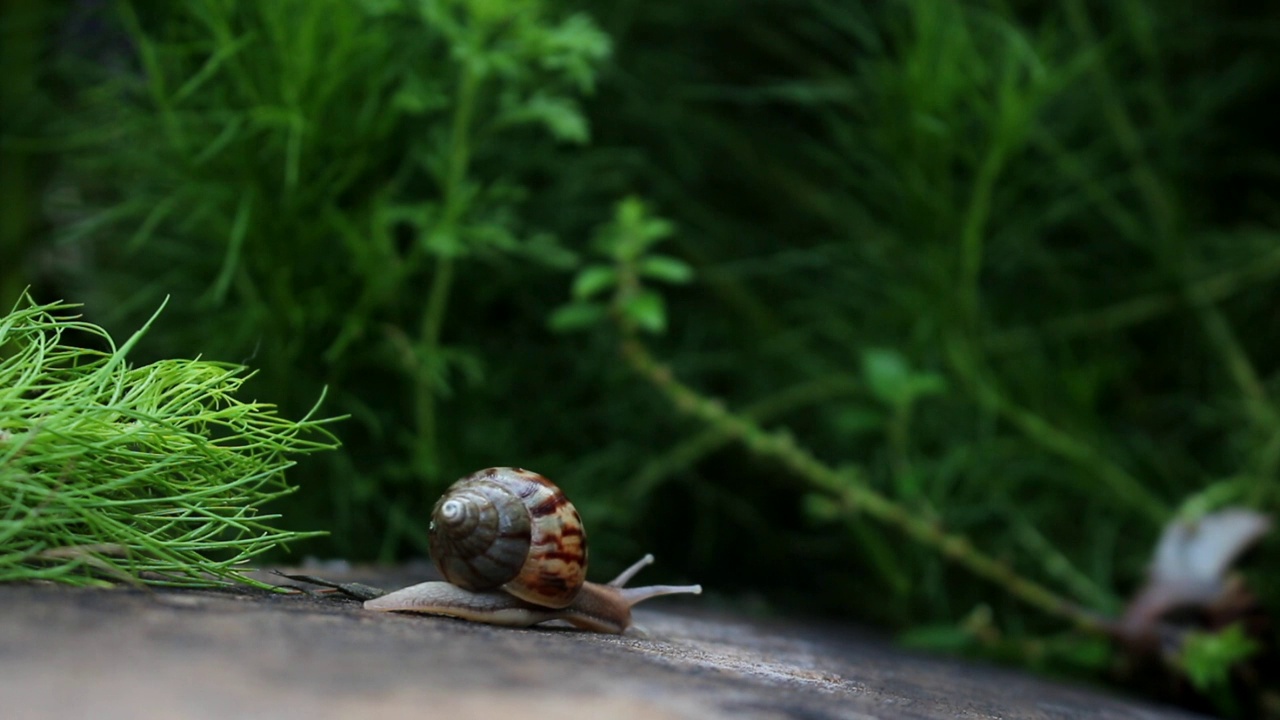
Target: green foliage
892 381
967 301
322 186
1038 230
994 215
154 473
626 242
1207 658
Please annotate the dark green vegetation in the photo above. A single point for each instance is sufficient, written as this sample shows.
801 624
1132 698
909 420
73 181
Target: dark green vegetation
932 314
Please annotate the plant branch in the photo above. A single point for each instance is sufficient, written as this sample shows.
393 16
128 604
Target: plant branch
848 489
429 368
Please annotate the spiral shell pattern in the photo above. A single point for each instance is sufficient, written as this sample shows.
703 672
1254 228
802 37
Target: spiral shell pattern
510 528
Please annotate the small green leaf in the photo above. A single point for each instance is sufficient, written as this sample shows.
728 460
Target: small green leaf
593 280
648 311
1207 658
443 242
653 230
891 379
559 115
575 316
630 212
632 231
666 269
574 49
888 376
924 384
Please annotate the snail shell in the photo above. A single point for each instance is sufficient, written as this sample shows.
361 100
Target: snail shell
513 552
512 529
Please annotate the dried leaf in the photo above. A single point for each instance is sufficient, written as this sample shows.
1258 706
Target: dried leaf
1190 566
1201 551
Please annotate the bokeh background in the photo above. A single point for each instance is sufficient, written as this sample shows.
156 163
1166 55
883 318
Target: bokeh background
1012 266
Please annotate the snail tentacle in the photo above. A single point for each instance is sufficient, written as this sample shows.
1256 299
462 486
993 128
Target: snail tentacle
607 608
625 576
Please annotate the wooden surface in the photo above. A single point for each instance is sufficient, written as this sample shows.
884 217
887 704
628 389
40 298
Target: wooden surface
138 653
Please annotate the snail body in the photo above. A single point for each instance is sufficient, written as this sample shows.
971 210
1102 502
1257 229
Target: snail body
513 552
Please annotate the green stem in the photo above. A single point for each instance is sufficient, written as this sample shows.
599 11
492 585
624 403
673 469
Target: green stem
442 279
850 490
432 325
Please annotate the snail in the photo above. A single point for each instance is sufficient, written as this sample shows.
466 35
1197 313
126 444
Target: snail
512 551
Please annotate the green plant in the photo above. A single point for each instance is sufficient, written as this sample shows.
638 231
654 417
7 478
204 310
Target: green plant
984 231
1207 660
627 244
995 276
321 186
962 133
155 473
833 492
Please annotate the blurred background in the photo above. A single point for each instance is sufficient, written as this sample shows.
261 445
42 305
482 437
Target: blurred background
1013 267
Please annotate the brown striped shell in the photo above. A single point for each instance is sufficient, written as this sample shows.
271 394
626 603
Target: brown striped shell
510 528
